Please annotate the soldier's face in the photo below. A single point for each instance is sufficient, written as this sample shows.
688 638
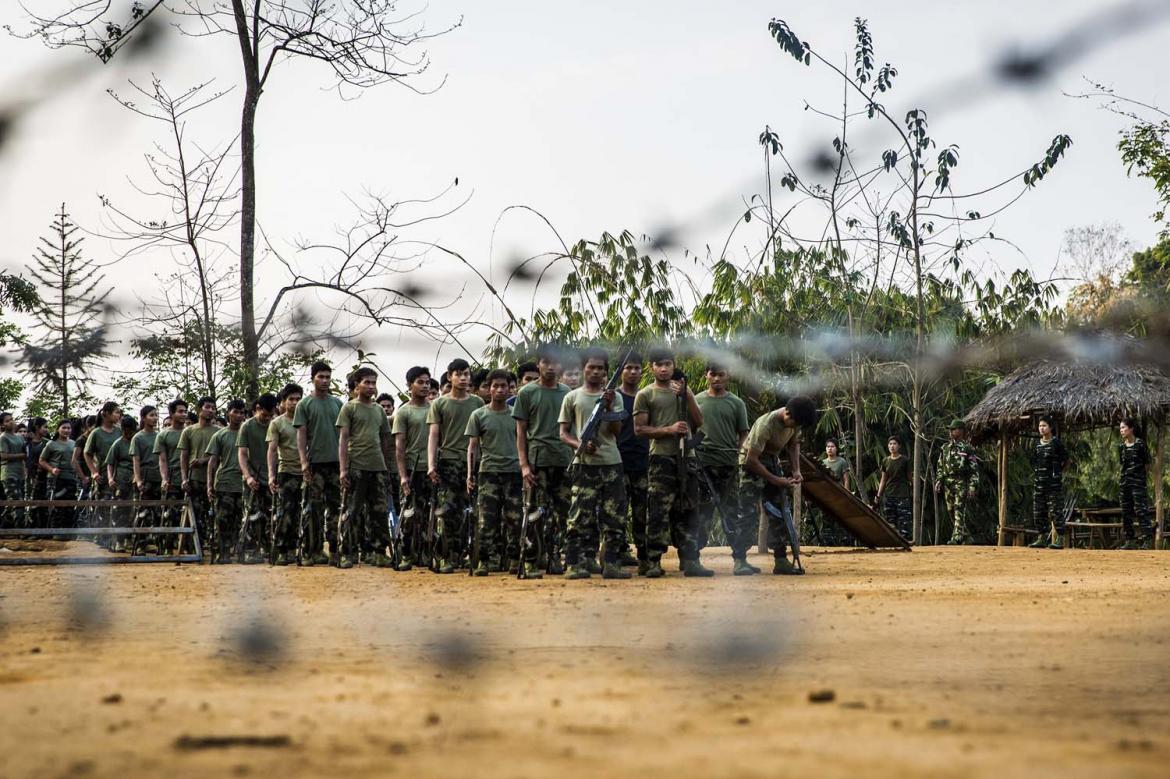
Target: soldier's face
7 424
717 380
421 386
179 418
290 403
663 371
893 446
595 373
388 407
549 369
264 415
831 449
321 380
529 377
151 419
1044 429
572 377
459 379
499 390
235 416
632 373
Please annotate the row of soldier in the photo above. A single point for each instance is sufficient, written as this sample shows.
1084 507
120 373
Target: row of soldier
448 479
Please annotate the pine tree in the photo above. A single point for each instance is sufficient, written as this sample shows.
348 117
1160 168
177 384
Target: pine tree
72 340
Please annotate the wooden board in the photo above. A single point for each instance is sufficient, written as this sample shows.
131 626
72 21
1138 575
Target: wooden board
846 509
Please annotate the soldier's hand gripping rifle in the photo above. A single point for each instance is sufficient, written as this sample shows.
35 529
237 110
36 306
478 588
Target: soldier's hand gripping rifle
395 524
687 442
602 413
432 509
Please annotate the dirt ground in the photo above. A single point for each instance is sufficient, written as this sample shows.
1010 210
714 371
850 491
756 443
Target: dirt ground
944 661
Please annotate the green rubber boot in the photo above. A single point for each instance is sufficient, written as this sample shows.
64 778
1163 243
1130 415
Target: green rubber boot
785 568
654 570
614 571
344 563
693 568
1041 541
483 569
532 571
741 568
446 566
578 571
590 564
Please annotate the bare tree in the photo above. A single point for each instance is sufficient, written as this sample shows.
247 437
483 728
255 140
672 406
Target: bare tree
364 43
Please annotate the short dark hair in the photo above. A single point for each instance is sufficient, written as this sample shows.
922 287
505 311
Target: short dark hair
415 372
36 423
832 441
498 373
479 376
594 353
443 379
4 415
1131 423
203 401
109 407
173 406
661 354
458 364
290 389
895 439
715 366
435 383
633 358
142 412
549 352
320 366
267 402
1046 419
129 423
362 373
527 367
236 404
385 396
802 409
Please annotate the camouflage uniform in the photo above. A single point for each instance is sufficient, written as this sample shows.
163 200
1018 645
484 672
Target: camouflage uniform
1048 460
321 506
363 528
725 480
12 489
414 517
637 494
554 493
958 471
257 520
451 499
228 509
499 500
672 514
289 528
598 497
1135 500
753 491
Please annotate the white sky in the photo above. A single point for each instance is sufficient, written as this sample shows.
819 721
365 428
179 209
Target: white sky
604 115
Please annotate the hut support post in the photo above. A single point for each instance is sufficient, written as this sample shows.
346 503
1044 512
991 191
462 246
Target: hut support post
1002 493
1159 532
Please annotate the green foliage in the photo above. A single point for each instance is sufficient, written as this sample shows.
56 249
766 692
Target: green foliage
1145 150
1151 268
10 392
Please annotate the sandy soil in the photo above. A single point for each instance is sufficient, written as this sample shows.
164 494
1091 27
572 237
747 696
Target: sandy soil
944 661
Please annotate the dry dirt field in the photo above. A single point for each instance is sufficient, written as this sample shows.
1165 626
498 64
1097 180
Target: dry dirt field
941 662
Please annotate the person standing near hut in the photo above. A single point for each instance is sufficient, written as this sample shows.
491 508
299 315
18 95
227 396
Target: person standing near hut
1049 459
958 476
893 492
1135 501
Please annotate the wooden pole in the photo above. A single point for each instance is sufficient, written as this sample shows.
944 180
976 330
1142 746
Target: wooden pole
797 510
1159 532
1003 452
763 532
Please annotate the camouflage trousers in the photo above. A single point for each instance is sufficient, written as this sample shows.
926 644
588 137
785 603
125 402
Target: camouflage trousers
451 500
12 488
364 527
256 528
289 488
637 495
415 517
753 491
204 525
122 517
321 508
899 513
38 489
499 503
229 509
1135 505
958 505
1048 505
672 516
597 508
725 501
554 493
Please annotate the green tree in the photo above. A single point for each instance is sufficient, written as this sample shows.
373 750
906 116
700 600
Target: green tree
72 338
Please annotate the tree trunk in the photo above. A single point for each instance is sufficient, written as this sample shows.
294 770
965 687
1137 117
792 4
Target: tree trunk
248 243
920 338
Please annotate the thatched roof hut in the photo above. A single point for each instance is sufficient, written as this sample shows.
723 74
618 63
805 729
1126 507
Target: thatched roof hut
1077 395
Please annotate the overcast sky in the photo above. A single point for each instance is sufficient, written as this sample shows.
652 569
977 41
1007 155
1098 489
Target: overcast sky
604 115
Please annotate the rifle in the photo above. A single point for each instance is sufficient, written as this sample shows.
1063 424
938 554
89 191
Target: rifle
600 414
395 533
687 442
524 520
433 563
471 520
785 516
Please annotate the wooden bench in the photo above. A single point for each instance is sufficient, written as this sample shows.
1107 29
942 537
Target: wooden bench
1016 535
1096 535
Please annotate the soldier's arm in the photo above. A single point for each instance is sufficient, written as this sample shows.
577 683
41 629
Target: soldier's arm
185 465
693 411
568 438
303 451
273 460
472 451
794 459
76 461
400 458
433 449
754 466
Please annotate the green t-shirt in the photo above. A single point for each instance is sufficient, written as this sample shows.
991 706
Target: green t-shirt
391 466
838 466
281 431
194 440
119 457
228 477
59 454
366 422
166 447
576 409
661 405
142 447
496 431
451 416
11 443
540 406
768 436
410 422
319 417
98 444
724 418
254 437
897 472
